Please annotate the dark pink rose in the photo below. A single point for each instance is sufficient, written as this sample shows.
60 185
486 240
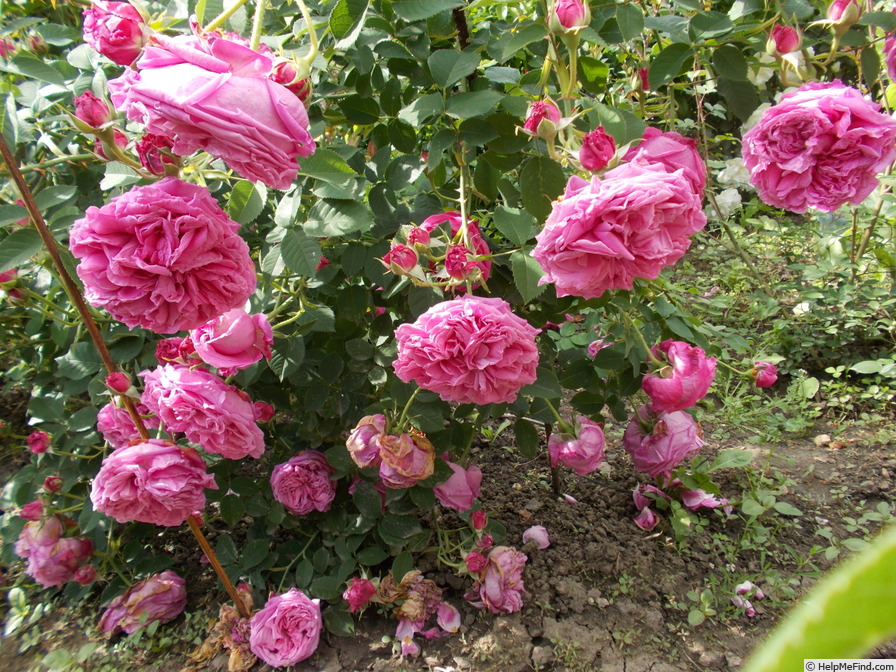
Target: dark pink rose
287 629
570 14
213 93
235 340
263 411
597 149
658 442
473 241
890 57
117 427
91 110
406 459
302 484
85 574
822 146
783 40
358 593
362 442
685 378
459 491
843 14
542 119
458 264
115 29
478 520
765 374
285 73
148 151
501 582
605 233
163 256
118 382
400 259
154 481
475 562
53 483
582 450
161 598
468 350
537 535
210 412
419 238
673 152
38 442
53 550
323 263
32 510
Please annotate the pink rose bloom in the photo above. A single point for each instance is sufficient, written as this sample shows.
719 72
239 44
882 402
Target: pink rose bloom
647 519
53 554
116 426
358 593
474 242
672 438
582 451
213 93
890 57
148 152
538 535
32 510
263 411
217 416
151 482
302 484
92 110
286 630
469 350
162 597
163 256
501 582
821 146
673 152
406 459
362 442
38 442
234 340
542 119
684 380
114 29
597 149
698 499
605 233
765 374
571 14
458 264
400 259
783 40
459 491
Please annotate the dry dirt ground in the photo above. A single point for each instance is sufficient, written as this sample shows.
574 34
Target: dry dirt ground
605 595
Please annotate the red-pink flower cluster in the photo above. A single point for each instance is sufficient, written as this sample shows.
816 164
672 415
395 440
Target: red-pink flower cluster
55 551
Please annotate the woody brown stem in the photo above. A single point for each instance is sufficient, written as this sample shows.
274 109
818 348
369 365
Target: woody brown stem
216 565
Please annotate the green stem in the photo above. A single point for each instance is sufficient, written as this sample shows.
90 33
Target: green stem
733 370
257 24
631 327
219 20
404 413
31 167
556 414
312 35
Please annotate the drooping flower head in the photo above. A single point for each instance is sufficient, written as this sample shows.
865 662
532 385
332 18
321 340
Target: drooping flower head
685 378
765 374
658 442
582 450
161 598
54 549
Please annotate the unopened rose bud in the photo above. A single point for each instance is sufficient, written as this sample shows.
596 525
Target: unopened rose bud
104 150
765 374
597 149
478 520
287 74
475 562
542 120
32 510
263 411
569 16
7 49
53 483
38 442
85 574
783 40
114 29
149 152
322 263
843 14
92 110
419 239
38 45
118 382
401 259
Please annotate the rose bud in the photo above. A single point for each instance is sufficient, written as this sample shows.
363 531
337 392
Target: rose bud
53 483
542 119
148 151
597 149
765 374
92 110
783 40
286 73
118 382
114 29
263 411
400 259
419 239
38 442
32 510
358 593
568 16
843 14
478 519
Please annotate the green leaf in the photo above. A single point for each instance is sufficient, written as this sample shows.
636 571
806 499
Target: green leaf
541 181
345 16
304 572
630 20
34 68
731 459
18 247
9 125
668 64
515 225
326 588
371 556
870 65
359 110
403 563
526 437
845 615
232 509
79 362
286 356
327 166
225 549
507 46
300 252
395 529
368 500
546 385
254 553
751 507
706 25
57 35
422 109
472 104
696 617
417 10
448 66
730 63
742 97
808 387
246 201
337 218
526 275
886 21
339 622
787 509
593 73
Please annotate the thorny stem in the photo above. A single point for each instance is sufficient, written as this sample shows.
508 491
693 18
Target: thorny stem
219 570
219 20
73 158
258 23
631 327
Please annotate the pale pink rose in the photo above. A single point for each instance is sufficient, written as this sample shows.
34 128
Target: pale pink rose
114 29
151 482
117 427
469 350
474 242
91 110
459 491
747 587
32 510
400 259
783 40
448 617
538 535
302 484
765 374
647 519
217 416
744 604
406 459
596 346
53 550
571 14
542 119
213 93
287 629
673 152
234 340
362 442
358 593
698 499
822 146
38 442
501 582
161 597
597 149
605 233
667 440
685 378
582 450
163 256
640 498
